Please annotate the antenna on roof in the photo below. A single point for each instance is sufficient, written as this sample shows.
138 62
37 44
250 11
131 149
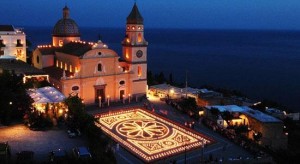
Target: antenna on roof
186 83
99 37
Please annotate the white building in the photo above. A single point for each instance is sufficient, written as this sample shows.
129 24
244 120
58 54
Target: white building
12 43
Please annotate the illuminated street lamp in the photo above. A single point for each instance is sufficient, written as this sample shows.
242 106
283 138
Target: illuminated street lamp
123 99
99 101
10 103
129 98
184 152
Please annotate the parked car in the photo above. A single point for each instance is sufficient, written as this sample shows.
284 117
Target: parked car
24 157
58 156
82 153
73 133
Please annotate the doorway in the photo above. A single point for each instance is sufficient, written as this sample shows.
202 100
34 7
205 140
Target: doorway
99 92
122 93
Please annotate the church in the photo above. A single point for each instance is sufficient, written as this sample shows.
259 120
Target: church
92 70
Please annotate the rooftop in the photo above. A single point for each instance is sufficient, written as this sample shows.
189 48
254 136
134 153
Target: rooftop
135 16
75 48
56 73
258 115
46 95
9 28
19 67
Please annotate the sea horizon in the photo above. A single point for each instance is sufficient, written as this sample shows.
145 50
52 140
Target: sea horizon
262 64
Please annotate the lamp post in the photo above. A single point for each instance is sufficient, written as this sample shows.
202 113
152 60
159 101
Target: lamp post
129 98
99 101
202 153
123 99
184 152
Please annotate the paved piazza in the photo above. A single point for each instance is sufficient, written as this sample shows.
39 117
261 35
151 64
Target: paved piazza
149 136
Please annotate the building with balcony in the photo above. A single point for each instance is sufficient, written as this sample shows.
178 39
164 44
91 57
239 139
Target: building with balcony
12 43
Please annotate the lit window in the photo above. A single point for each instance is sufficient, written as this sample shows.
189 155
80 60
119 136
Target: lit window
57 65
100 67
76 69
71 70
139 71
127 53
61 65
139 27
60 43
133 27
66 66
19 53
140 37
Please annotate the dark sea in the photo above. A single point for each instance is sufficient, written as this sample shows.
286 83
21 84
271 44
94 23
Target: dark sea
260 64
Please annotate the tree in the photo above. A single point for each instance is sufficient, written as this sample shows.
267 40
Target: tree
77 115
227 116
150 79
98 142
171 79
257 136
161 78
14 100
214 111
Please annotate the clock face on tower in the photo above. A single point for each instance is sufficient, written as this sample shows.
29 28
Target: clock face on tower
139 53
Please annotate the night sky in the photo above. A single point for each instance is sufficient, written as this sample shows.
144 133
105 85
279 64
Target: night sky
204 14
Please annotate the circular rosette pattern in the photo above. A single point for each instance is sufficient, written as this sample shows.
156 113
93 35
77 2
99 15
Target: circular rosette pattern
142 129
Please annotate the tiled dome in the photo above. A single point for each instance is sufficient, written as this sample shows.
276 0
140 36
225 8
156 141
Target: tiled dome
66 26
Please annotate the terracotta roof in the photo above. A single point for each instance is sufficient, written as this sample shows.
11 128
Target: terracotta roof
48 50
20 67
56 73
76 49
6 28
135 16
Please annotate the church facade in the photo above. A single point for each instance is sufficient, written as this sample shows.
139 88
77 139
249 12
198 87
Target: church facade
92 70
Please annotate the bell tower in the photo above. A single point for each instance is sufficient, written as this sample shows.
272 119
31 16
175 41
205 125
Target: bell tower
135 51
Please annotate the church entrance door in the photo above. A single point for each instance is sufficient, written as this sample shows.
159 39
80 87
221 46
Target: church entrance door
99 92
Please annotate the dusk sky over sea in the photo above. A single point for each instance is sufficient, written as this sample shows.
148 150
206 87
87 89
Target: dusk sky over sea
204 14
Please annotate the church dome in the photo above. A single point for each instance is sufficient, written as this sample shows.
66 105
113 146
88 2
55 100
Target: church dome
66 26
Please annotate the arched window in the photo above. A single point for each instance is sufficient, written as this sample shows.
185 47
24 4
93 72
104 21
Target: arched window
140 37
99 53
126 53
99 67
139 71
37 59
